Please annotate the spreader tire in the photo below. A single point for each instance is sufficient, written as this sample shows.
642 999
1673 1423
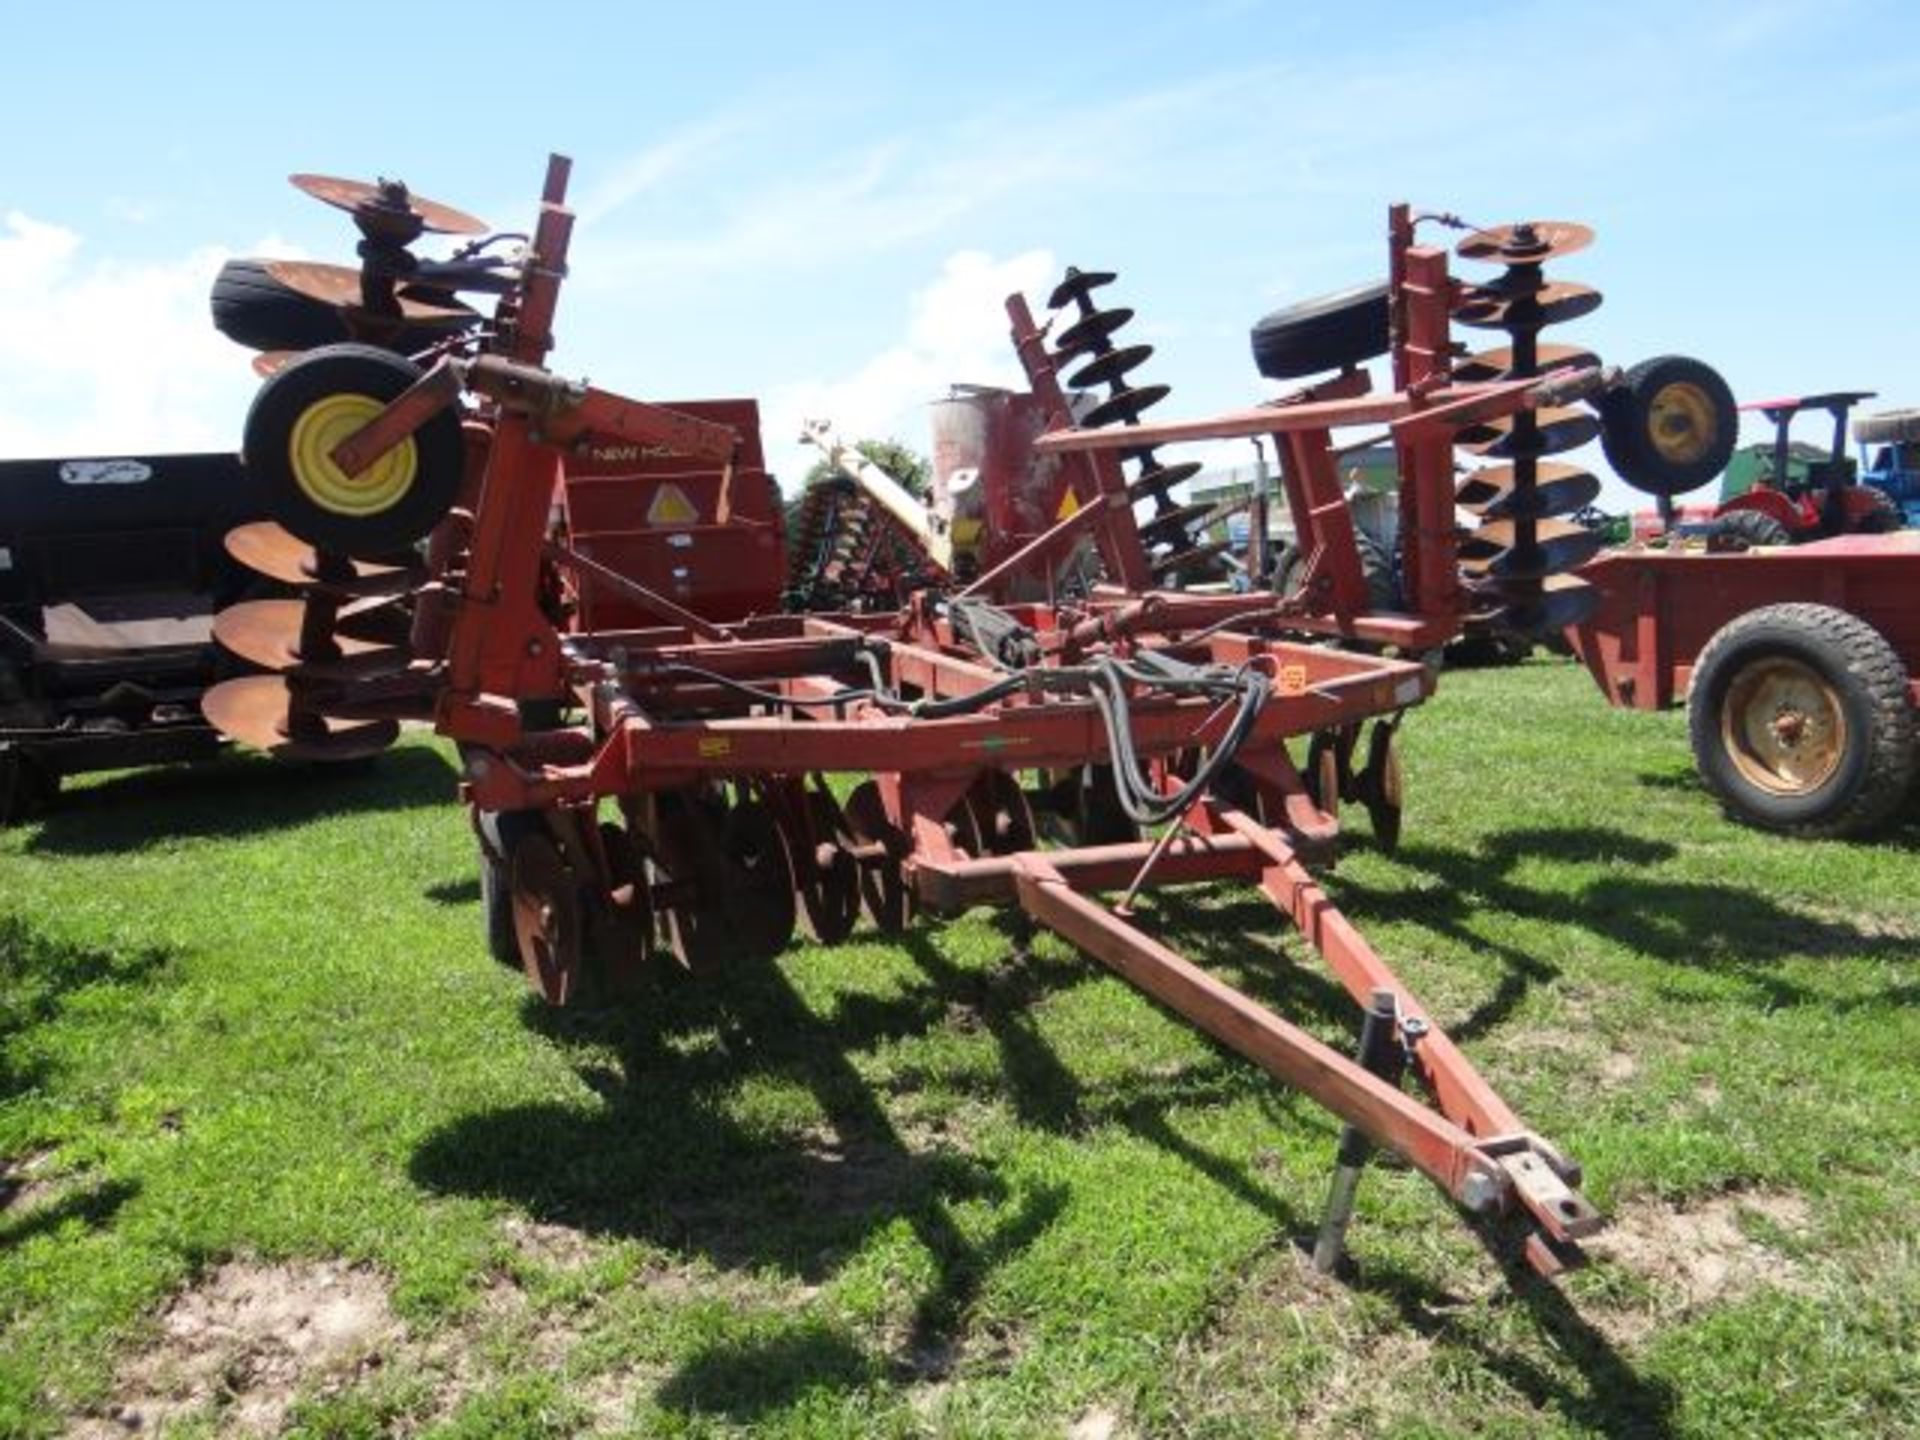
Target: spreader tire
1800 721
318 400
1669 426
1889 427
1752 528
1333 332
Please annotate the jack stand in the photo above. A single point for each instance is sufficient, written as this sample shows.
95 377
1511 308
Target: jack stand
1380 1054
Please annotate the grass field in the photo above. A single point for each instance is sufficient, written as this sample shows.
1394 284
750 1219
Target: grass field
284 1149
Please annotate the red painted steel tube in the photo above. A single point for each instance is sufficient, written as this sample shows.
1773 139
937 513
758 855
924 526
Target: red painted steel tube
406 413
1422 298
501 642
1501 398
1430 1142
1051 542
953 885
1462 1095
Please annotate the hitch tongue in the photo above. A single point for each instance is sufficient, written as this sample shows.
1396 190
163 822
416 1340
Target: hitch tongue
1539 1179
1563 1212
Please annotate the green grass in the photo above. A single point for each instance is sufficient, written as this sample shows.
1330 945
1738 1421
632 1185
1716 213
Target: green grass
947 1186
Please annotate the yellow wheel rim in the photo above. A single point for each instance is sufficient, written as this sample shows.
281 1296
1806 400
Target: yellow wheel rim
1681 422
322 426
1783 726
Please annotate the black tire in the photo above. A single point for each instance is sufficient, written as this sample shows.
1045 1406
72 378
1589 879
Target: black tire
1885 516
256 310
1632 413
1333 332
1485 647
329 374
1750 528
1857 686
1375 564
1889 427
27 786
504 829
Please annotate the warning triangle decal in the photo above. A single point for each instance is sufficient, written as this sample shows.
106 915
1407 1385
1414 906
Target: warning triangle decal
671 507
1068 505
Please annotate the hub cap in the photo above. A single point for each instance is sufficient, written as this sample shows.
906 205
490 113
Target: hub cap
1784 727
322 426
1680 422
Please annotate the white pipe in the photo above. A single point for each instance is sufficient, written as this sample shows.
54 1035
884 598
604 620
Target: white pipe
887 492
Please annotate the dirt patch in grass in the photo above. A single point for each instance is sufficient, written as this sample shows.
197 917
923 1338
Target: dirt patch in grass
1099 1423
1376 1365
243 1345
559 1246
1867 925
245 1341
1617 1067
26 1180
1289 1351
1700 1254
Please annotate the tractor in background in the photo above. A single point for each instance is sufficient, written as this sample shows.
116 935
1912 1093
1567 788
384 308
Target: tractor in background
1789 494
1895 467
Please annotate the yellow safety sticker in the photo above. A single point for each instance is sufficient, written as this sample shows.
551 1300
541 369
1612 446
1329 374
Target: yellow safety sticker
671 507
1293 679
1068 505
712 747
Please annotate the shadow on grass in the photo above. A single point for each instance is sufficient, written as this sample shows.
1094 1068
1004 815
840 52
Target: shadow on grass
754 1376
1615 1400
1901 833
455 892
38 976
668 1161
236 795
669 1158
1718 928
93 1207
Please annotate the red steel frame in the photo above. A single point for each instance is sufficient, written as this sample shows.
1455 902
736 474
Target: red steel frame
1658 608
655 725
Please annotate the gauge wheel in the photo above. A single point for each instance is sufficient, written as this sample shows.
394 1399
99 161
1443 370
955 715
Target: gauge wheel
1669 426
320 399
1800 721
1332 332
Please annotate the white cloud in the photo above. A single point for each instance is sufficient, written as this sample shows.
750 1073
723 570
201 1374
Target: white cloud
104 356
956 333
653 166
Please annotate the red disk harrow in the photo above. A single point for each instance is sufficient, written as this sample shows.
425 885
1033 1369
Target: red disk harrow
677 788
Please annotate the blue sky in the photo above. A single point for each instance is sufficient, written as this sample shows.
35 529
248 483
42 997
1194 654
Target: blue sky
822 206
